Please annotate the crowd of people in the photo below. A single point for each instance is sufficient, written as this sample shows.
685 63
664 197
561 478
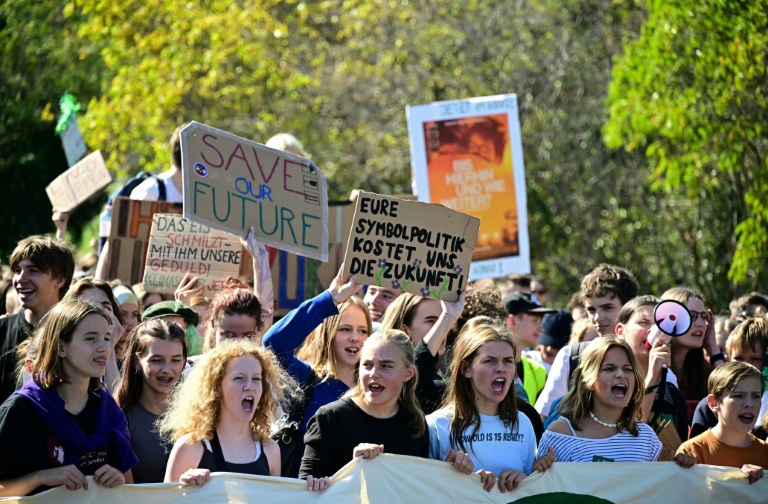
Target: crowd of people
102 379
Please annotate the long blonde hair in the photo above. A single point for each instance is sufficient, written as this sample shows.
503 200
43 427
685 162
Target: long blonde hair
578 402
401 312
195 407
318 349
407 397
474 335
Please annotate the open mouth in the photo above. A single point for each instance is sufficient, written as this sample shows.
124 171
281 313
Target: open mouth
247 404
24 292
100 361
165 380
352 351
747 418
619 390
498 385
697 334
375 389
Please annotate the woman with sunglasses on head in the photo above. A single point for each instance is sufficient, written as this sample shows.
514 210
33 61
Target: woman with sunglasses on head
378 414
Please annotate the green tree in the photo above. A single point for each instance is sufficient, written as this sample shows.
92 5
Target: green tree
40 58
339 75
690 94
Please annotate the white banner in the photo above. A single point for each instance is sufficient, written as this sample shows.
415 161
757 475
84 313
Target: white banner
397 479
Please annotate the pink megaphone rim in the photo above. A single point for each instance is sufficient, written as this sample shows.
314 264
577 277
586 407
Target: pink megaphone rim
672 317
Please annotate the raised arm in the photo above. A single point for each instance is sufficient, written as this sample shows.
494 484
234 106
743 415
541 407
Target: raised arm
61 219
436 336
289 333
262 278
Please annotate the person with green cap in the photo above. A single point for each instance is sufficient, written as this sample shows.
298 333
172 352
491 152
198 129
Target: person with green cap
181 314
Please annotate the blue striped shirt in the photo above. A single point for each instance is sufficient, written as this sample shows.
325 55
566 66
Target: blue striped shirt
621 447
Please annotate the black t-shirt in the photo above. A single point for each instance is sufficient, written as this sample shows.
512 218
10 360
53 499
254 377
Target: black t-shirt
27 444
13 330
337 428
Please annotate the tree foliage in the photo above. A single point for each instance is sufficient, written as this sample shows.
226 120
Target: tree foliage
690 93
339 75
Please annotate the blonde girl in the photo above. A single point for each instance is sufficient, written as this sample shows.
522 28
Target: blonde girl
219 418
379 413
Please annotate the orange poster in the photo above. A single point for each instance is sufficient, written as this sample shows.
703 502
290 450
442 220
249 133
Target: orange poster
467 155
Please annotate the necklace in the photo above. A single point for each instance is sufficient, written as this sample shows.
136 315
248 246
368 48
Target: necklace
605 424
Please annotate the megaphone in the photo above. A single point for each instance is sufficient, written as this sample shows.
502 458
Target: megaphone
671 319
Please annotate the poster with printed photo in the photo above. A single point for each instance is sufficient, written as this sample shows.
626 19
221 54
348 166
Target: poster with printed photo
468 156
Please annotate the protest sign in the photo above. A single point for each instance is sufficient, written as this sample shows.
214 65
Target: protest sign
398 479
297 278
129 236
73 142
411 246
86 178
178 246
231 184
468 156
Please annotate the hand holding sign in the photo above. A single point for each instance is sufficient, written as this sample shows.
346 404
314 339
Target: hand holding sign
88 177
60 219
410 246
341 291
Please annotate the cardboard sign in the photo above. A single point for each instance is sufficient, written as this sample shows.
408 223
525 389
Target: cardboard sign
73 142
129 236
231 184
178 246
415 247
297 278
468 156
76 185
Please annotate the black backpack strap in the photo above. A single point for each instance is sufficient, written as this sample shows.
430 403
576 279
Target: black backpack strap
162 196
575 359
218 455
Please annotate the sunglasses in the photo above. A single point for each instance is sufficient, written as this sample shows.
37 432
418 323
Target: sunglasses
695 316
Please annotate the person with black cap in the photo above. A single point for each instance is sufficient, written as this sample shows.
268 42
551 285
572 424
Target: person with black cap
557 331
524 320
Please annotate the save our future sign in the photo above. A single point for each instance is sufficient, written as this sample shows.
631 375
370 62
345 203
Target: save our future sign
415 247
231 184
